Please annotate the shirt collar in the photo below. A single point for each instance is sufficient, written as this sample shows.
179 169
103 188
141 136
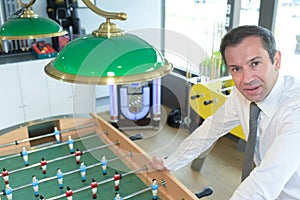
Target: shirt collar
270 102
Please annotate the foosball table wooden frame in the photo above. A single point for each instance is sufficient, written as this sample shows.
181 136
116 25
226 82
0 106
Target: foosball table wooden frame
173 189
170 188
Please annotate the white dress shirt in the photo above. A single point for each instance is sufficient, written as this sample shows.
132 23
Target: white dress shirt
277 154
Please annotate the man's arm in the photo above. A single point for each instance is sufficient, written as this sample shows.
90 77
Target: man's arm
215 126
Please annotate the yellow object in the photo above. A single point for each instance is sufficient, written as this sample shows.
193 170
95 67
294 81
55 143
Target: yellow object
205 100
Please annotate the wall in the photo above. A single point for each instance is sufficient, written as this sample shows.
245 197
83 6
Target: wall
28 94
142 14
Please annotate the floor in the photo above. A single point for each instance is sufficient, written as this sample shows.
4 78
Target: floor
222 167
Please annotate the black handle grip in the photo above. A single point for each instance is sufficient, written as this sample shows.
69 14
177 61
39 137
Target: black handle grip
195 96
138 136
205 192
207 102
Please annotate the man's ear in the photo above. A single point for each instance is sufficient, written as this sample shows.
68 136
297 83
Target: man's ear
277 60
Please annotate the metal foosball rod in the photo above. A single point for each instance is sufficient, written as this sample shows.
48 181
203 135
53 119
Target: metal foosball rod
207 191
47 147
163 183
62 157
42 136
101 182
77 170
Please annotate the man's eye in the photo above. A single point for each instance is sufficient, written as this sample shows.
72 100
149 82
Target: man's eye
235 69
255 63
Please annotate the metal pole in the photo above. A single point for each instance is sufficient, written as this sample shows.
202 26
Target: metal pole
267 14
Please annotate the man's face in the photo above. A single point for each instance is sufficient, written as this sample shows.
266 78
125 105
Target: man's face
251 69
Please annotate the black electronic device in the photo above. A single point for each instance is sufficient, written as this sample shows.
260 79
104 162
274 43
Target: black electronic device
64 12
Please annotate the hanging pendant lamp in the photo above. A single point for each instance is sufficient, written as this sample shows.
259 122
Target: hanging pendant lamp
108 56
25 24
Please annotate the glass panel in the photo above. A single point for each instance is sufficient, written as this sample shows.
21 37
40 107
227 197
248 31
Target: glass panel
200 22
203 22
287 34
249 13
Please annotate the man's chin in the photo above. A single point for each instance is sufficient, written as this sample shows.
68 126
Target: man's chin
253 98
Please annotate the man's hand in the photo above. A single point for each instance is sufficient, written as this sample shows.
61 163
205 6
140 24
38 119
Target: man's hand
157 164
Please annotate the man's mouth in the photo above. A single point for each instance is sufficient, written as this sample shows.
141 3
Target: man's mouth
251 90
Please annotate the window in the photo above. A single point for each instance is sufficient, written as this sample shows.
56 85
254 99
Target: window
287 34
202 22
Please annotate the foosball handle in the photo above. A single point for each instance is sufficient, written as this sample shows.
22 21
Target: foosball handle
138 136
205 192
207 102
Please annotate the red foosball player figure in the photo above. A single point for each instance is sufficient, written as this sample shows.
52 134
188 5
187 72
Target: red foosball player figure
94 186
117 178
5 176
78 154
44 165
69 193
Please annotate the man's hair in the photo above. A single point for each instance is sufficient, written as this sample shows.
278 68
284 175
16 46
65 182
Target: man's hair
238 34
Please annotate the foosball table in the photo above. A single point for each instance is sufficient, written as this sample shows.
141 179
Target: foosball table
94 138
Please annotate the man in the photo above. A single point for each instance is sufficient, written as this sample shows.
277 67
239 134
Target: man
254 63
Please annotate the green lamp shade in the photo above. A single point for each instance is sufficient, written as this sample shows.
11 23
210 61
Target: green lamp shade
30 28
100 60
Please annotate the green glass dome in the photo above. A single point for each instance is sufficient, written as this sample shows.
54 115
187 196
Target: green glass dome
101 60
29 28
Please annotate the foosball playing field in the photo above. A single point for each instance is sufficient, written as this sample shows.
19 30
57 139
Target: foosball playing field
58 156
122 155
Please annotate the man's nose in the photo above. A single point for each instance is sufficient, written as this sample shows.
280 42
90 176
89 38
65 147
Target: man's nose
247 75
